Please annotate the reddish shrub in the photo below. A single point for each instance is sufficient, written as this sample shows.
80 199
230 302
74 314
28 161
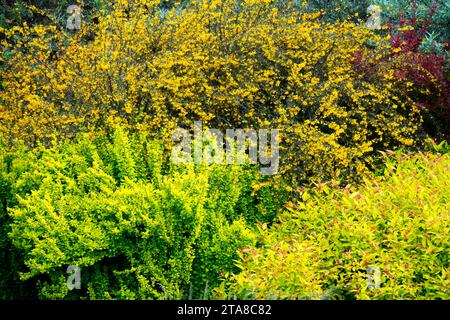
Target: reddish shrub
427 72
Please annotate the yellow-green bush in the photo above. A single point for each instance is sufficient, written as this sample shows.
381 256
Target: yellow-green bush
131 221
327 245
10 285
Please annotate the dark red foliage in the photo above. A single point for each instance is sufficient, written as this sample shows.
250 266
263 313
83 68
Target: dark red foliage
408 40
427 72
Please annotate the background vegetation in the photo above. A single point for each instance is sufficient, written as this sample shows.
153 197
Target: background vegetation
85 172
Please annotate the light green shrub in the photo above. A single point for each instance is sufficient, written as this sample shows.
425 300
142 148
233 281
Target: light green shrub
138 227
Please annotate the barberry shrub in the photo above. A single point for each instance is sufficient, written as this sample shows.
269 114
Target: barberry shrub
422 63
137 227
434 13
418 35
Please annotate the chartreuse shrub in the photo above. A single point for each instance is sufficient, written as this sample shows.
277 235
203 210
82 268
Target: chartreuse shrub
231 64
10 285
387 239
138 227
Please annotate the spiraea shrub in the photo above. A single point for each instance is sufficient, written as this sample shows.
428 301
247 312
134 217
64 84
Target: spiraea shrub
387 239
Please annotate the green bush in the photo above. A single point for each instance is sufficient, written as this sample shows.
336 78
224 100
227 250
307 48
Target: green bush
137 227
16 12
332 243
393 9
10 285
391 12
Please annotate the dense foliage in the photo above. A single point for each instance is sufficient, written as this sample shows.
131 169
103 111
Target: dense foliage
86 123
285 69
116 211
326 245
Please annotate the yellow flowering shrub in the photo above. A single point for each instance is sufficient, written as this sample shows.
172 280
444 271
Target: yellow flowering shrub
230 64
